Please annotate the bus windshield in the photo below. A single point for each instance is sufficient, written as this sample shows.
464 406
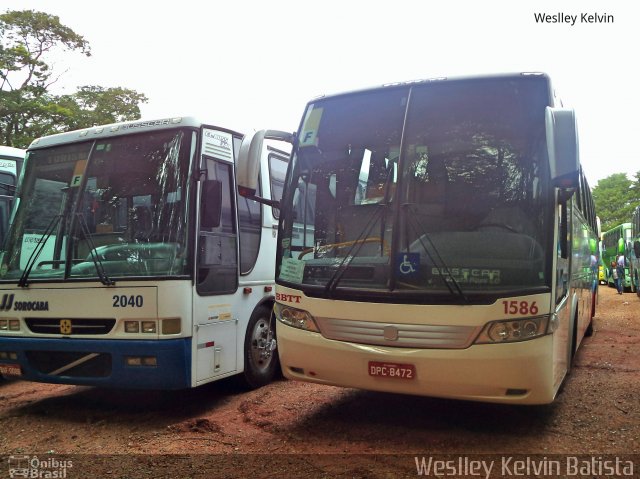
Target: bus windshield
436 191
109 208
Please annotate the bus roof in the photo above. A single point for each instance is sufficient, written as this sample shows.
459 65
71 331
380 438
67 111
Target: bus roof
124 128
616 229
621 225
11 152
514 75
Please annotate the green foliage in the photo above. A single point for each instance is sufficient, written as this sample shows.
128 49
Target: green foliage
28 109
95 105
615 198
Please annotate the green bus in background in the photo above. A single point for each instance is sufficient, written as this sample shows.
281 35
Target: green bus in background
602 269
615 242
634 251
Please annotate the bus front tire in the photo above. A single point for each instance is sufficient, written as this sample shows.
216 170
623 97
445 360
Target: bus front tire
261 363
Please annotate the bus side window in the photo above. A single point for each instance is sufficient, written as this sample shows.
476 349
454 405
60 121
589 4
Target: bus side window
277 172
249 223
217 250
562 266
7 183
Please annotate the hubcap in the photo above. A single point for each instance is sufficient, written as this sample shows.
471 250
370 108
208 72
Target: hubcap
262 344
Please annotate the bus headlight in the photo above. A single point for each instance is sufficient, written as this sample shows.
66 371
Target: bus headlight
512 330
132 326
167 326
296 318
148 327
9 324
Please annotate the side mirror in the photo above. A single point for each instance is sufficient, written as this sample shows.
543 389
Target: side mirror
562 146
636 248
211 204
248 164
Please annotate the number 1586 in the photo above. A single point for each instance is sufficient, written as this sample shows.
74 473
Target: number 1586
520 307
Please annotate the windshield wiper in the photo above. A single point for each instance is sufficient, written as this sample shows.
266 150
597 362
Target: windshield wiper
447 278
379 212
332 284
45 237
104 279
37 250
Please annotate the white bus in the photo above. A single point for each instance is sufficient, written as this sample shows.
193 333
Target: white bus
10 165
453 231
131 261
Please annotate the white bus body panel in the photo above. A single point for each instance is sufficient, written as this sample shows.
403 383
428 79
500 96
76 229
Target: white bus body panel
485 372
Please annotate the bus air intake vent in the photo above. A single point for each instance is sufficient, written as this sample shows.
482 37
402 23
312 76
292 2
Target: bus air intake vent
70 364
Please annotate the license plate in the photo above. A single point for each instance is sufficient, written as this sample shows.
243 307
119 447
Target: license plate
10 370
392 370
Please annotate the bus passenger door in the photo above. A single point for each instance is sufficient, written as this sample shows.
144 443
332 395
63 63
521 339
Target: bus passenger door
562 309
215 334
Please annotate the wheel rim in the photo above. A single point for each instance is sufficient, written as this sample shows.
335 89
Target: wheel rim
262 344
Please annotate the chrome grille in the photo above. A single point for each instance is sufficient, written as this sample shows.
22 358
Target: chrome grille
407 335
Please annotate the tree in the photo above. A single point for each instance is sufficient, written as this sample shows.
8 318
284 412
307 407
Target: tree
615 198
635 190
94 105
28 108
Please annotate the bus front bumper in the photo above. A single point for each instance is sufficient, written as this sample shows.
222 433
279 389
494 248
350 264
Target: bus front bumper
520 372
134 364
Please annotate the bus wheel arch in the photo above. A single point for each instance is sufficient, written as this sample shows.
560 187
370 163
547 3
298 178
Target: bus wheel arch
261 363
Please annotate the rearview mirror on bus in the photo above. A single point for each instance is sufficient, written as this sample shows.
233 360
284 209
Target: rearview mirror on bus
248 165
562 146
211 207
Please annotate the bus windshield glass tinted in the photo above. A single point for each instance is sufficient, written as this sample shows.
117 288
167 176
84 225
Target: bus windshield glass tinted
114 207
436 187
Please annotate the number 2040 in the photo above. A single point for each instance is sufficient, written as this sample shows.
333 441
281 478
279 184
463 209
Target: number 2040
520 307
131 301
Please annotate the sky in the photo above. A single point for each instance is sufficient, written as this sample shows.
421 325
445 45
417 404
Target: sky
254 64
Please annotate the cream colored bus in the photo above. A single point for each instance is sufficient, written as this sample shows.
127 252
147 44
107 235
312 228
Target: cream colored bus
435 239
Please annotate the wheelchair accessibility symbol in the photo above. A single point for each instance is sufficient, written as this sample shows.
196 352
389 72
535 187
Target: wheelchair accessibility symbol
408 264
